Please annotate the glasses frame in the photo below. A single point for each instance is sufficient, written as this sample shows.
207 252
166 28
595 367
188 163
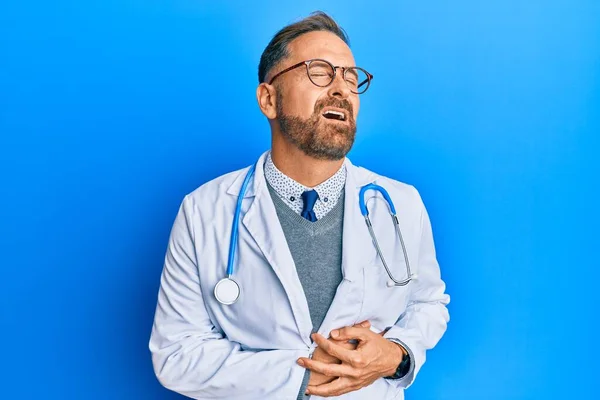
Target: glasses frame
334 68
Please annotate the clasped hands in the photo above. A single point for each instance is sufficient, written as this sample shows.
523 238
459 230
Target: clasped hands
339 366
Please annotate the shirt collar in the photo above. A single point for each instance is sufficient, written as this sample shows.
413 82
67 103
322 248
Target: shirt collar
287 188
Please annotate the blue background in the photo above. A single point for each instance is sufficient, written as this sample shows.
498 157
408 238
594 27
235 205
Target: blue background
111 111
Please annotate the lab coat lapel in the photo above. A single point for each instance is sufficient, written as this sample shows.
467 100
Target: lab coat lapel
357 248
357 252
262 222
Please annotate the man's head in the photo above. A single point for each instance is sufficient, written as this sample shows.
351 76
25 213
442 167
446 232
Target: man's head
317 117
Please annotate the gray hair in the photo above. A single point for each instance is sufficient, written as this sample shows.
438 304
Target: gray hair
277 49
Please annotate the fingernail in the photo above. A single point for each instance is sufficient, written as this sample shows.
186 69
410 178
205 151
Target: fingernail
335 334
300 362
364 324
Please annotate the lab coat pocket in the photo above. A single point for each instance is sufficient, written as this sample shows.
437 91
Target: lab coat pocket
382 304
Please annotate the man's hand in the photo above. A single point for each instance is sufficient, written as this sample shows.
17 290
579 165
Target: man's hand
373 358
321 355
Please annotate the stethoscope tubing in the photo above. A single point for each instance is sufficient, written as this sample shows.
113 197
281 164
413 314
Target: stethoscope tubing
364 211
235 225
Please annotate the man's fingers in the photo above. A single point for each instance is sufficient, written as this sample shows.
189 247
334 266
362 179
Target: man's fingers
333 348
347 344
331 370
351 332
336 387
351 344
363 324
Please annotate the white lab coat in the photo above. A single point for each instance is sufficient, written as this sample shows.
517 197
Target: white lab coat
248 350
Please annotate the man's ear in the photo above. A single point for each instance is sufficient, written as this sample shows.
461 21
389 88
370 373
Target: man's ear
267 100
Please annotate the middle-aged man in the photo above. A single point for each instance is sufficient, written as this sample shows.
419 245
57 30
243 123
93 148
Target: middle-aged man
272 286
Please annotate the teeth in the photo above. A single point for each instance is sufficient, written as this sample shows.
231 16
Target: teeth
338 114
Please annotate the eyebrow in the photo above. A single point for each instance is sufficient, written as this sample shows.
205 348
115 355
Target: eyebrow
352 70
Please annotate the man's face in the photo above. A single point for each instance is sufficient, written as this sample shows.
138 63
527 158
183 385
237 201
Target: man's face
301 104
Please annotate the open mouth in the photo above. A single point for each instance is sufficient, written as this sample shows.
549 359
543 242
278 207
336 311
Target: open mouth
334 114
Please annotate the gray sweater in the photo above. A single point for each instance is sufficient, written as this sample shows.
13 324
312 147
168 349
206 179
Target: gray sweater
316 248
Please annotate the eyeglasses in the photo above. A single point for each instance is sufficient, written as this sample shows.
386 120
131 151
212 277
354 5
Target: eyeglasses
322 74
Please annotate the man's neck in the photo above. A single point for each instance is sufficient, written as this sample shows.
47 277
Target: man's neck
304 169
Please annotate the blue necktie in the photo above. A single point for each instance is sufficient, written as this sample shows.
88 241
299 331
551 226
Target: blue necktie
310 198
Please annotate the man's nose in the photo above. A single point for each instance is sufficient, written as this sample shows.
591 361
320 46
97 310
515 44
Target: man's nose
339 88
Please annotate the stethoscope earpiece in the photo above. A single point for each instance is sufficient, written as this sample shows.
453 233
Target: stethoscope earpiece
391 283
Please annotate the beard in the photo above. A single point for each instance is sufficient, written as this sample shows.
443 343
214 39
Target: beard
316 136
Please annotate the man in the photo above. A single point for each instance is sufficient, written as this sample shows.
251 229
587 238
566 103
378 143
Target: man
316 315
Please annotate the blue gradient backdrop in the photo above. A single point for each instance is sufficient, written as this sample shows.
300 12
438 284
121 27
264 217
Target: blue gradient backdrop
111 111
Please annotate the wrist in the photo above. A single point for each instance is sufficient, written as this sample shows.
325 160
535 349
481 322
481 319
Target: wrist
399 353
405 365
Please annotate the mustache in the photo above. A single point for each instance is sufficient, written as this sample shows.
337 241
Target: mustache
334 102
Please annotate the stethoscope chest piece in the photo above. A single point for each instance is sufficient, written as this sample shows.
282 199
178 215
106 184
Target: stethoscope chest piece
227 291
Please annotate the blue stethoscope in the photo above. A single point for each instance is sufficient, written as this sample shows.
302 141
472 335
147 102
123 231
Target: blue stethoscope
227 290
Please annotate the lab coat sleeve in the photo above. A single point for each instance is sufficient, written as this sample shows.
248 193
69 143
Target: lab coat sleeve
190 356
424 321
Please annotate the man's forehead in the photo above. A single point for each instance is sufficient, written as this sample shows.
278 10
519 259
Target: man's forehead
321 44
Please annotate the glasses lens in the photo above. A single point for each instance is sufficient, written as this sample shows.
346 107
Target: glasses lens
357 79
320 73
